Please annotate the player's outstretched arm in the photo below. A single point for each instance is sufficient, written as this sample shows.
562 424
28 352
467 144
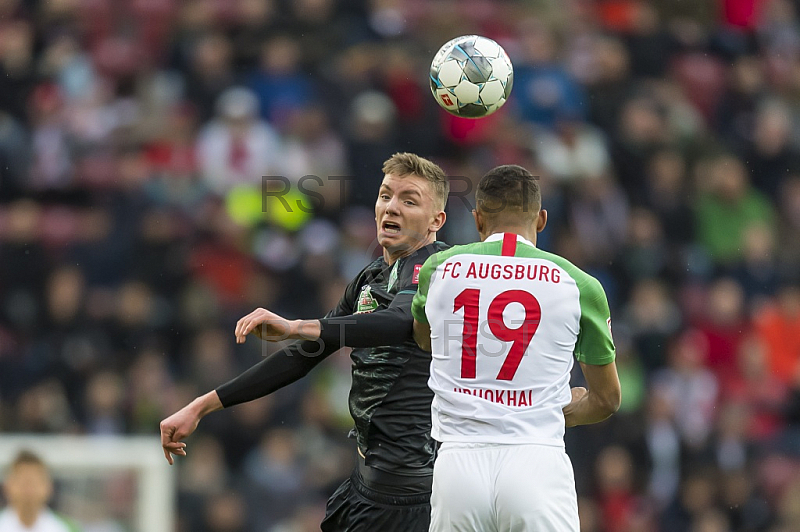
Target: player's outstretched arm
270 374
374 329
601 399
183 423
272 327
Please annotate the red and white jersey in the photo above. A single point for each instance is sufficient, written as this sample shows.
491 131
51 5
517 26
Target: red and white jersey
507 321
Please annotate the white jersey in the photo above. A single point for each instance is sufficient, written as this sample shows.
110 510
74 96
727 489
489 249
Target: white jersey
47 521
507 321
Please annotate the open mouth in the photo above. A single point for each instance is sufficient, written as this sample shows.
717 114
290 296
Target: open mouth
391 227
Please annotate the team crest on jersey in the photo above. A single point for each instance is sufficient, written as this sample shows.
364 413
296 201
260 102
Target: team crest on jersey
366 303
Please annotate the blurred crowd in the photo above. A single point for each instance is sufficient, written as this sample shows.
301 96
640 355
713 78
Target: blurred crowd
139 221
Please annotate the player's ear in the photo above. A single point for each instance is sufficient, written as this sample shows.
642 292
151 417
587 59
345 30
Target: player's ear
541 221
438 221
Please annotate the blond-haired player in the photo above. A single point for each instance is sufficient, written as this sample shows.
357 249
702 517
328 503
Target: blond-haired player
390 487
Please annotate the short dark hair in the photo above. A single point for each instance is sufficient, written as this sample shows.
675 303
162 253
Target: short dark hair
508 188
26 457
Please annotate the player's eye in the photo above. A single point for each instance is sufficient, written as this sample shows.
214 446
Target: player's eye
409 202
385 197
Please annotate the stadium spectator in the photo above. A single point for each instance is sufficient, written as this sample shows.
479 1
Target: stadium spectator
690 387
545 90
778 327
727 207
772 153
279 83
574 153
209 72
237 148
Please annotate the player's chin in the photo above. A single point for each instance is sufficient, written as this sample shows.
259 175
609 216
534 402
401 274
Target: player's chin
389 240
395 242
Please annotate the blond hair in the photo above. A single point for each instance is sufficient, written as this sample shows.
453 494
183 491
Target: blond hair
403 164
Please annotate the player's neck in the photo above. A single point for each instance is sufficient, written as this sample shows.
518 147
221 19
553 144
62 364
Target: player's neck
392 256
28 516
524 232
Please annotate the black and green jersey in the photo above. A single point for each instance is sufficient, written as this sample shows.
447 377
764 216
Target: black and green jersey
389 399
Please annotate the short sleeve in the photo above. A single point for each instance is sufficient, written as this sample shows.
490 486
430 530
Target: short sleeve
595 345
424 282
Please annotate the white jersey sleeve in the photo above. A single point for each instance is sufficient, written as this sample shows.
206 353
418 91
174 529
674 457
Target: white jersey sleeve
507 321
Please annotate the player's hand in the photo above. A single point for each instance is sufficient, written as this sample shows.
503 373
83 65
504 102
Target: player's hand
578 392
175 428
183 423
264 324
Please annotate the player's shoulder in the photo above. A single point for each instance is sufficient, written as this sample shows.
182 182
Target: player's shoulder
374 266
366 276
66 524
53 521
588 285
448 251
581 277
431 249
422 255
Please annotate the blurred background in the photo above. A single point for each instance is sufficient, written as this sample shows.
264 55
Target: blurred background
666 134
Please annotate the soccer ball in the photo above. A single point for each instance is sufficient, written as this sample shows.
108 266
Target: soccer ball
471 76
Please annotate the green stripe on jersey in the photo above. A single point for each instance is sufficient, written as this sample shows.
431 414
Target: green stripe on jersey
69 523
594 344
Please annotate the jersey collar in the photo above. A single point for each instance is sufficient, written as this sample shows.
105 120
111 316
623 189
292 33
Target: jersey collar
499 236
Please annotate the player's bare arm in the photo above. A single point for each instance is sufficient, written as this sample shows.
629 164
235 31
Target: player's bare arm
422 335
599 401
183 423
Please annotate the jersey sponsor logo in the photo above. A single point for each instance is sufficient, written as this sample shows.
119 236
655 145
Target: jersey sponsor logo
502 397
415 277
366 302
485 270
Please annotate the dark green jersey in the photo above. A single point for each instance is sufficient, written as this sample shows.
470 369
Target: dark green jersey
390 400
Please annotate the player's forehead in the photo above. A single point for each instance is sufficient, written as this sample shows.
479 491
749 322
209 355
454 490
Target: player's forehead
29 469
408 184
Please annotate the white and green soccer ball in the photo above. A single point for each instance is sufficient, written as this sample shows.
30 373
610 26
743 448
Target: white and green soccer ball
471 76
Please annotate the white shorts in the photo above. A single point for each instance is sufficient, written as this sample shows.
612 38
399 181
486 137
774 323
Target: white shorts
479 487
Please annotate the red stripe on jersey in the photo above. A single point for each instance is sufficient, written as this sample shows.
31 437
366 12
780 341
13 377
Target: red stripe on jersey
509 244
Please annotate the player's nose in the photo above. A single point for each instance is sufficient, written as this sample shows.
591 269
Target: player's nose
393 207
